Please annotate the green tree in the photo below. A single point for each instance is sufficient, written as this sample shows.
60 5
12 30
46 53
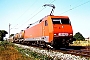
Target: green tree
79 36
2 34
11 35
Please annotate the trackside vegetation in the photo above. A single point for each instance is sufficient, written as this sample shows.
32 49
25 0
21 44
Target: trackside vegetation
35 55
79 37
8 51
2 34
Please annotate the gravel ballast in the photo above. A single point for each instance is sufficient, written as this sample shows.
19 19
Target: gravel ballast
52 54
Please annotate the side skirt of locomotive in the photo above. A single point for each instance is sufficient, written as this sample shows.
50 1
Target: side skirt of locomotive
39 41
43 41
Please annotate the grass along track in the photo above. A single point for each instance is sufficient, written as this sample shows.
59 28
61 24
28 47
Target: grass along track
9 51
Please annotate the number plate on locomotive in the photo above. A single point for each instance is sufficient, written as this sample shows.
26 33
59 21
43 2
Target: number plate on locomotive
63 34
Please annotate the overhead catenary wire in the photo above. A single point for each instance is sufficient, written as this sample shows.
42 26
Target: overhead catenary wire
27 9
14 27
25 12
31 14
75 7
31 18
52 1
35 15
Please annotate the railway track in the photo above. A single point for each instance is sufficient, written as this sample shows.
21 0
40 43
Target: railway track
70 52
85 52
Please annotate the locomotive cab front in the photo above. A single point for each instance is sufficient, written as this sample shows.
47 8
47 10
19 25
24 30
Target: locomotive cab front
62 31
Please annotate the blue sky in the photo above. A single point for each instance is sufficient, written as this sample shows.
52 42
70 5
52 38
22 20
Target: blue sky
20 13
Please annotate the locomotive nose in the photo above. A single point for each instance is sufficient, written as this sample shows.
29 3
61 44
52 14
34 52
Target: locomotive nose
62 30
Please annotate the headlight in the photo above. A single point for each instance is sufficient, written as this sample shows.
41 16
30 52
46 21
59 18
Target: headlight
63 34
71 34
55 34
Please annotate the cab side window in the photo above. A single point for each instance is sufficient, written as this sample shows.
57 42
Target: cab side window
46 23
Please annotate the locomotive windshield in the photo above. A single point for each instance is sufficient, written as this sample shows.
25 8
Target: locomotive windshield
61 21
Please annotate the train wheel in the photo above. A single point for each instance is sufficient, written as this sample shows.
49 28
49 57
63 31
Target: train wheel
13 41
67 43
37 43
44 44
23 42
55 44
28 43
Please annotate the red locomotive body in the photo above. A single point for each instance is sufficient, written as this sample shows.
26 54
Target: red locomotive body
53 30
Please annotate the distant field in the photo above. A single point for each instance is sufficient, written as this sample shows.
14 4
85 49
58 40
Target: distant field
81 43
